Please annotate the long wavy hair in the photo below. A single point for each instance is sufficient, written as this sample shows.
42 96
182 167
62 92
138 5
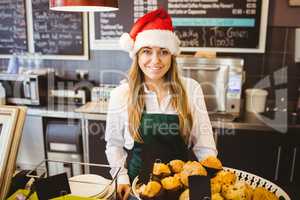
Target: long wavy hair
136 101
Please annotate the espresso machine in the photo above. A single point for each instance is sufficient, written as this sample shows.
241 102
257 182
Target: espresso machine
221 80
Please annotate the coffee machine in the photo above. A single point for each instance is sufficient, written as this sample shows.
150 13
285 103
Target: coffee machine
221 80
25 89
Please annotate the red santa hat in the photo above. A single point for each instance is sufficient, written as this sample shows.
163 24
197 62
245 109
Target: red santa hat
153 29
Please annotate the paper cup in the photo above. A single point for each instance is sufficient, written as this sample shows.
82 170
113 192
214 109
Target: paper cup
256 100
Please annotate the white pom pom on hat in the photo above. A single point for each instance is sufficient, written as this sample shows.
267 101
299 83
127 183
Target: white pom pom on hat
153 29
126 42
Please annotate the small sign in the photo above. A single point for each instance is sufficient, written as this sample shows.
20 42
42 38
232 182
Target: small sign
199 188
52 186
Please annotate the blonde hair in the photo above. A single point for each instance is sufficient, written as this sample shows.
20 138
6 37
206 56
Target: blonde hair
136 102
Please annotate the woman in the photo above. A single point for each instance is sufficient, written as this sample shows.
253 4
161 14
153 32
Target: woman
156 113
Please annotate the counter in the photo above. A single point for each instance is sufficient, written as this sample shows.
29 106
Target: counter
252 121
59 111
247 121
64 111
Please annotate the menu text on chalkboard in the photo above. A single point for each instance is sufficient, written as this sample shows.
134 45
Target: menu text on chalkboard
13 31
219 23
56 33
225 24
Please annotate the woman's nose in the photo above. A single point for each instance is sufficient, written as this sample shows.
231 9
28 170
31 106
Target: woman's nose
155 58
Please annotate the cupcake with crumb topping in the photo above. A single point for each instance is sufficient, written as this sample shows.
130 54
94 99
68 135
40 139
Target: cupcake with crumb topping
212 165
225 177
151 191
239 190
261 193
176 166
216 196
172 187
185 195
189 169
161 170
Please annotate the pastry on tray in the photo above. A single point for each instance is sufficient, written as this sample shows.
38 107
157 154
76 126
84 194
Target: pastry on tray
225 177
194 168
212 162
189 169
176 166
149 191
185 195
238 191
161 170
172 187
217 196
261 193
171 183
215 186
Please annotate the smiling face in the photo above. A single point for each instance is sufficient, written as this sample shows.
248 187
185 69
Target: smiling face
154 62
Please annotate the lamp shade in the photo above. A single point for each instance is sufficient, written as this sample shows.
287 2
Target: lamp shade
83 5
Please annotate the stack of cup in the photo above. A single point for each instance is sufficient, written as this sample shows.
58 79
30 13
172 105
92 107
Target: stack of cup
256 100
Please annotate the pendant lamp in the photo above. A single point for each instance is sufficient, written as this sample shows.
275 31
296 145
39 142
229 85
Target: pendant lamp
83 5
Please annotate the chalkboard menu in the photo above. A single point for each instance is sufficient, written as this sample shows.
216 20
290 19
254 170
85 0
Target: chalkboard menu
56 33
13 30
29 26
221 25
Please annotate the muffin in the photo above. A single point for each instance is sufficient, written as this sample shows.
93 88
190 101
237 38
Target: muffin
161 170
212 162
171 183
176 166
261 193
152 189
172 187
194 168
189 169
216 196
177 175
238 191
225 177
212 165
185 195
215 186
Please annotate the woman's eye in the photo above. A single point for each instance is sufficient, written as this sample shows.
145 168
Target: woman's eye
164 52
146 51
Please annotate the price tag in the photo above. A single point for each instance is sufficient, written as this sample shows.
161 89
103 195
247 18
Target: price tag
52 186
199 188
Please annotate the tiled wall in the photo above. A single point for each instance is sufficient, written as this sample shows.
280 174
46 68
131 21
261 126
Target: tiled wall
279 54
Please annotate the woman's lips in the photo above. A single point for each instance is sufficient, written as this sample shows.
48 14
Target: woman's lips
154 69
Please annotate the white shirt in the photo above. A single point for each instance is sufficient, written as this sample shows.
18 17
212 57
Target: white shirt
118 136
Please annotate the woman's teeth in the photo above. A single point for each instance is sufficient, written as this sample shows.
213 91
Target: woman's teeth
155 68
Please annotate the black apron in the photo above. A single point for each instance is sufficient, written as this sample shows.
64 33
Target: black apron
162 140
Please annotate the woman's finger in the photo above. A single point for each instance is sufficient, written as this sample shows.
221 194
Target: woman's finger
126 194
119 193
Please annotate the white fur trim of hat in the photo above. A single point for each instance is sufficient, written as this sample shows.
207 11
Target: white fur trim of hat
150 38
154 29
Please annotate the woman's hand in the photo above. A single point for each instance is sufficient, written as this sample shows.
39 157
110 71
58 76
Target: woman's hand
123 191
